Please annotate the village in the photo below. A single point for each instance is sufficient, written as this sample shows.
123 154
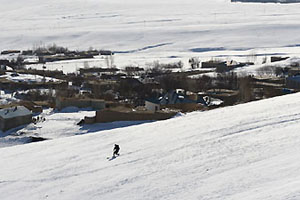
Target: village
150 100
132 93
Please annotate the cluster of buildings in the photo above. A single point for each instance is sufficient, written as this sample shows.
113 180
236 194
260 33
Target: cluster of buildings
16 59
161 108
134 93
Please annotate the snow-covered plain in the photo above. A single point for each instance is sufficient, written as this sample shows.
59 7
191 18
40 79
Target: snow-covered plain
57 125
71 66
148 30
27 78
6 97
248 151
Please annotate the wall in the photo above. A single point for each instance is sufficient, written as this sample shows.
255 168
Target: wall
152 106
80 103
185 107
5 84
293 83
228 99
212 64
6 124
111 116
89 120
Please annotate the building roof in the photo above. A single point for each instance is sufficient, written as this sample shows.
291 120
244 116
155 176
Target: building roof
173 97
152 100
4 62
12 112
294 78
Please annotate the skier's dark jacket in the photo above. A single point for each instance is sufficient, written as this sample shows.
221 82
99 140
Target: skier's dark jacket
116 149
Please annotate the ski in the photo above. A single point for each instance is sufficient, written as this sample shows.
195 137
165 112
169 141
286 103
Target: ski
112 158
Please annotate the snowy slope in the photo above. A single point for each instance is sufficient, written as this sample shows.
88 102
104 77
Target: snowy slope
249 151
153 29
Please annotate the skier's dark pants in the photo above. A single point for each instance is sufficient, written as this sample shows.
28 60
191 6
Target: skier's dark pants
116 153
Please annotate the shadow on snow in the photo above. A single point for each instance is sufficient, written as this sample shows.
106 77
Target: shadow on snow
90 128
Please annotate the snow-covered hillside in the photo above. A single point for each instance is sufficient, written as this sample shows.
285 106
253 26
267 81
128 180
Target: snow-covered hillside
148 30
248 151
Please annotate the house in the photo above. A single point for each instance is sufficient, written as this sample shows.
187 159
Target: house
194 62
278 58
4 64
106 52
98 71
216 97
175 97
293 71
152 105
180 100
27 52
131 81
107 115
134 71
213 64
14 117
6 52
293 82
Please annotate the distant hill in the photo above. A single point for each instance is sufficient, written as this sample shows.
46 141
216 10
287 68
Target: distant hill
268 1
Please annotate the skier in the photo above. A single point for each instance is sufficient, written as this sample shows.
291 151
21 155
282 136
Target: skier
116 150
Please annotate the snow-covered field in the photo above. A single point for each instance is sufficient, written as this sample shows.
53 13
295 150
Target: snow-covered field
58 124
15 77
149 30
248 151
71 66
6 97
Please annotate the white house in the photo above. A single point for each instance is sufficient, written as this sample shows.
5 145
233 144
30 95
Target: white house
152 105
14 117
